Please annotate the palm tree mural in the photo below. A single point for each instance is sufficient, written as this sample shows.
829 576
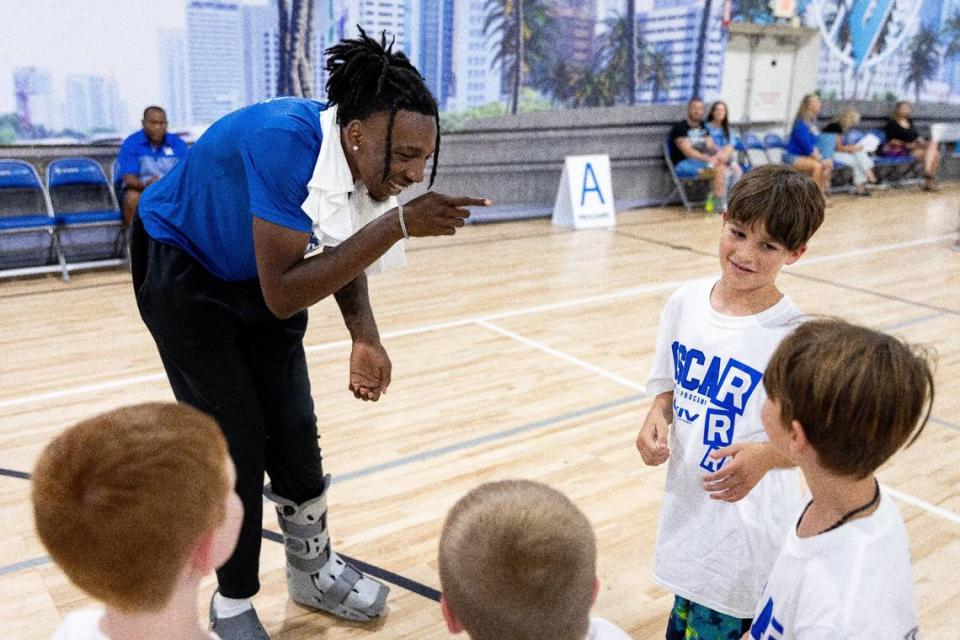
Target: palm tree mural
659 74
595 87
752 11
951 35
558 81
612 57
923 60
522 31
295 77
623 56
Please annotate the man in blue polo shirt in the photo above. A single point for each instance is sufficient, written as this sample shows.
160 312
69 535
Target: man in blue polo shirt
146 156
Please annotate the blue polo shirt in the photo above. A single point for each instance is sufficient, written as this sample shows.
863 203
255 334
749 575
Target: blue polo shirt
140 157
253 162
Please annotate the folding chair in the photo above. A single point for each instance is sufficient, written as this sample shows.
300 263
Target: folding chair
842 178
116 181
743 157
897 171
756 151
90 226
775 146
681 184
28 237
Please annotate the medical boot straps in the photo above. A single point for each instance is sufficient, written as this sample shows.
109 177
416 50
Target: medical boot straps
316 576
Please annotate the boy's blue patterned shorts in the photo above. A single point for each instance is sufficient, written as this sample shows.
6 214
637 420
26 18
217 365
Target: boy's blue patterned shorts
691 621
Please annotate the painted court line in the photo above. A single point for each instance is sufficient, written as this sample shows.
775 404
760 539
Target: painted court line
553 306
395 578
418 457
905 497
76 391
575 302
791 271
923 504
375 571
337 344
485 439
503 435
945 423
26 564
874 293
566 357
588 300
876 249
910 323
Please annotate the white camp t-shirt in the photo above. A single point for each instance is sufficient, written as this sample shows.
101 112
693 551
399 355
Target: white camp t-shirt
601 629
853 583
715 553
85 625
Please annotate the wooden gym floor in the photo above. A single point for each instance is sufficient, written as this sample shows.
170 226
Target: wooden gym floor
519 350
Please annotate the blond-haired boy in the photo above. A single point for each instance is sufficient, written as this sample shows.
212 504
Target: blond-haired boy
518 560
726 507
137 505
841 400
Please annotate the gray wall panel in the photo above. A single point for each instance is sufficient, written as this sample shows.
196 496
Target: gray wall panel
516 161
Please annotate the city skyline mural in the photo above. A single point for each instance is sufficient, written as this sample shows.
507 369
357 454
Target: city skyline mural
85 71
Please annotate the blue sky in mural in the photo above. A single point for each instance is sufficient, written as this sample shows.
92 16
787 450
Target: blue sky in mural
86 67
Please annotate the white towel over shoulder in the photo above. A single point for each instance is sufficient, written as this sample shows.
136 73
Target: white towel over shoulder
338 206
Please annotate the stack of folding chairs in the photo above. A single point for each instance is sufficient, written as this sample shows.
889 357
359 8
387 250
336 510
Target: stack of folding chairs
70 222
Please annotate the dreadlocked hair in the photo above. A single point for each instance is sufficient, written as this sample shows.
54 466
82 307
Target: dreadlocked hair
367 77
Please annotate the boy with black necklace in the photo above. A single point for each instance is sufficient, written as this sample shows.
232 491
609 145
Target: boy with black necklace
841 400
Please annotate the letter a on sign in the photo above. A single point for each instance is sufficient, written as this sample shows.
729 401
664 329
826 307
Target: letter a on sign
585 195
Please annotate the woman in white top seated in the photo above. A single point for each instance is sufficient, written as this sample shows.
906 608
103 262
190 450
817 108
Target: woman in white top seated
852 155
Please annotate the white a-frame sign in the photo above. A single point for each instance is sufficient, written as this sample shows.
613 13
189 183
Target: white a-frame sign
585 195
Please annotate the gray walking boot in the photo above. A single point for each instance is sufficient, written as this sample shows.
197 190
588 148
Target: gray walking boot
316 576
245 626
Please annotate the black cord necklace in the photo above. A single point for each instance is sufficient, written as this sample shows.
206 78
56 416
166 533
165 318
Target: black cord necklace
849 514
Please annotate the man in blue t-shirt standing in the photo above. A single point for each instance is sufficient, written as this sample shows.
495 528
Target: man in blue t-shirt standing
224 271
146 156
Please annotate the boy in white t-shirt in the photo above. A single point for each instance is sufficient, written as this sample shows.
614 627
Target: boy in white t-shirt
841 400
727 503
136 506
518 560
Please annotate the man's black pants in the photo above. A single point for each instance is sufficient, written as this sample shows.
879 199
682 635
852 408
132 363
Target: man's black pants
226 354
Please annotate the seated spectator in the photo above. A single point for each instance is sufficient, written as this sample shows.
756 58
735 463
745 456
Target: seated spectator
802 151
146 156
718 127
693 153
136 506
904 140
518 560
852 155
